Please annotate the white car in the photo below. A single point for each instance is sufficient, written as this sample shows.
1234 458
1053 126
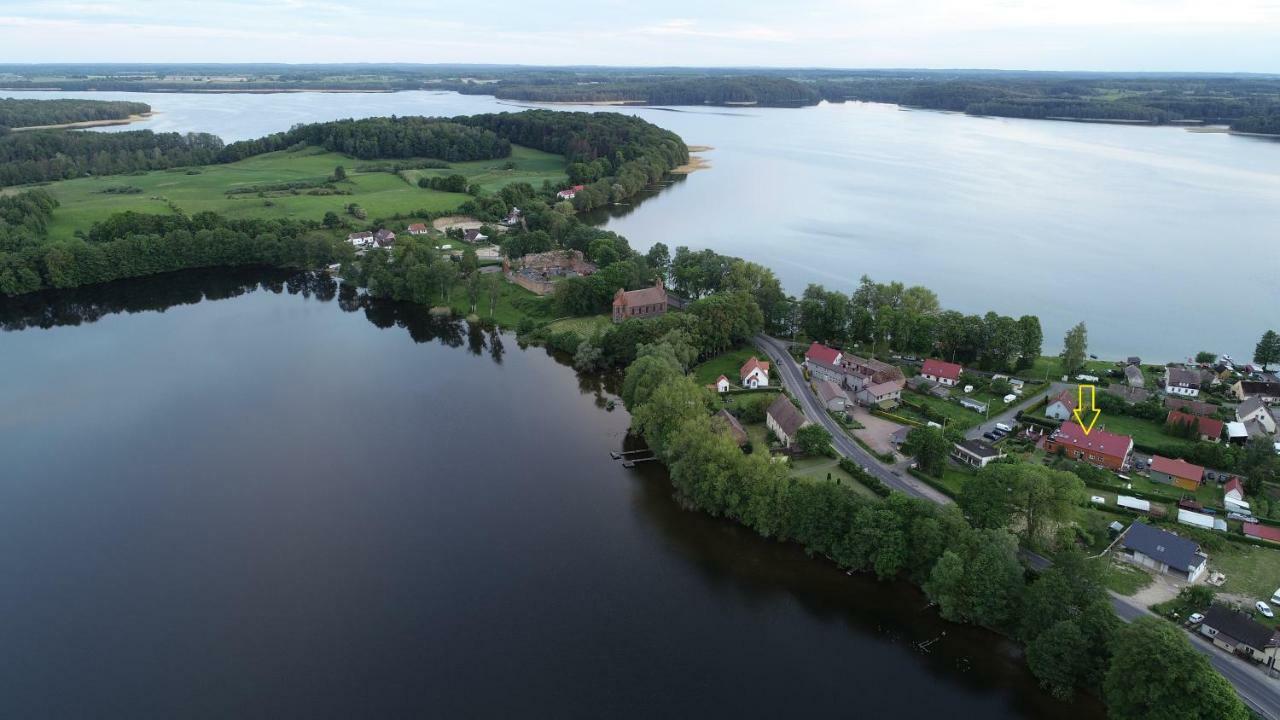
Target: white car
1196 618
1264 608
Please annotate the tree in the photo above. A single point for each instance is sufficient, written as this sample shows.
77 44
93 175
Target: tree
492 290
646 375
1031 338
979 579
659 258
1155 674
339 174
1267 350
331 220
1075 345
1026 495
930 447
813 439
470 261
1204 356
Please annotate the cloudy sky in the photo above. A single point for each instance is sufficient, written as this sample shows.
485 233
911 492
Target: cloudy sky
1223 35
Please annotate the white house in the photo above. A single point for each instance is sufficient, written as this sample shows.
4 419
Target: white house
883 395
1182 382
941 372
1163 552
1254 409
1061 406
361 239
754 373
721 384
1233 490
784 419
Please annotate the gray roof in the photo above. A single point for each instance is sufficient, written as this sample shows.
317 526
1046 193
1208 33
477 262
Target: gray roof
829 391
1182 376
1254 387
1133 375
1129 394
978 448
1249 406
1178 553
1240 627
899 436
735 428
786 415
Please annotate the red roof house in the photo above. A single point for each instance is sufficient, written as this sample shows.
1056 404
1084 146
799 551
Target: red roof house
941 371
754 373
1262 532
1098 447
1178 473
823 354
1207 428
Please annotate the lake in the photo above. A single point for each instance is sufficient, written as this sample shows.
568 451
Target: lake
1162 240
248 494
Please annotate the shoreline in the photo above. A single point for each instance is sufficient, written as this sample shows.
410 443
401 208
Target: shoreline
89 123
696 161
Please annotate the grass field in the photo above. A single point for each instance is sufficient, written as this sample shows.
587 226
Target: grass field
1125 579
1051 366
531 166
958 417
1144 432
727 364
584 326
1251 571
514 302
83 201
818 469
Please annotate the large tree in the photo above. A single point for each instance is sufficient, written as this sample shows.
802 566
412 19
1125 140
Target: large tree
813 439
1075 345
1027 496
930 447
979 579
1155 674
1268 349
1031 338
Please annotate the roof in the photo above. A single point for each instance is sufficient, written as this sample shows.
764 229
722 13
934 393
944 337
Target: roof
1249 406
1195 407
365 234
1254 387
1099 441
417 227
899 436
786 415
823 354
1133 503
722 377
941 369
883 388
1265 532
1239 626
1200 520
735 428
1206 425
1132 373
1176 468
1182 376
979 448
1233 484
656 295
749 366
829 391
1237 430
1130 394
1176 552
1066 397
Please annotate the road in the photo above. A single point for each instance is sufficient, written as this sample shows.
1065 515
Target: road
1261 694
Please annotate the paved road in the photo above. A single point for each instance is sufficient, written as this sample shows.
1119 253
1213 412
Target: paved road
1010 413
1253 686
793 379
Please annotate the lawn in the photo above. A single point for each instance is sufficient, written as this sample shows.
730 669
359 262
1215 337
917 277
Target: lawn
1124 578
531 166
958 417
1144 432
727 364
1251 571
819 469
1050 366
514 302
585 327
83 201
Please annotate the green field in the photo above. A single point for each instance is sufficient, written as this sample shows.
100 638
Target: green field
1125 579
83 201
817 469
1050 366
957 416
1144 432
585 327
727 364
1251 571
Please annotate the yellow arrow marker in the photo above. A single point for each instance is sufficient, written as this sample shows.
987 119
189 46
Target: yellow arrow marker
1083 408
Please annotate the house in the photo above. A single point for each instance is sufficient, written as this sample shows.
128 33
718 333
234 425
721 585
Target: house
975 453
570 193
975 405
1233 490
1016 385
1239 634
1098 447
824 362
860 372
899 436
1207 428
883 395
1195 407
721 385
646 303
1061 406
784 419
361 239
941 372
832 395
1178 473
1254 410
474 236
1133 376
384 238
1163 552
1182 382
417 229
1262 532
1130 395
754 373
512 218
732 426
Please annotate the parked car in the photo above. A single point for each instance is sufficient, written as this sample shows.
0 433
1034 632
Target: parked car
1210 476
1242 517
1139 465
989 435
1003 428
1275 597
1195 618
1264 608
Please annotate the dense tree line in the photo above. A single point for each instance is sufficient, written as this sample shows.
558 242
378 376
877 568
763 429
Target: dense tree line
44 155
734 90
382 138
17 113
1265 124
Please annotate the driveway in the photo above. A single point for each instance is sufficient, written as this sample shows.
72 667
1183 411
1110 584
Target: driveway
1009 415
876 432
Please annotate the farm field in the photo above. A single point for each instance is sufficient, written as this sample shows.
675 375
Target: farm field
530 166
83 201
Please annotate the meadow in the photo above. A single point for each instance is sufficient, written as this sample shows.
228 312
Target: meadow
83 201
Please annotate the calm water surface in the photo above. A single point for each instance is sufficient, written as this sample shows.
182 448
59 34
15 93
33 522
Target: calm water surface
1164 241
244 494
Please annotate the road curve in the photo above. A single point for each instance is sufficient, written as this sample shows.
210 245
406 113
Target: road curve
1251 683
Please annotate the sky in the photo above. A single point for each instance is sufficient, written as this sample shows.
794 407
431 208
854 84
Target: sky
1120 35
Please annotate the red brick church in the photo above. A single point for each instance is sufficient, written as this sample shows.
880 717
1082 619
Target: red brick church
646 303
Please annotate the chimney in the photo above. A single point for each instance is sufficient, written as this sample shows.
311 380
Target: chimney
658 284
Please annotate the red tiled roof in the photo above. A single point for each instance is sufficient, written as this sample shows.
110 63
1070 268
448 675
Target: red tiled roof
941 368
1208 426
1099 441
1233 484
1265 532
416 227
1066 397
1177 468
751 365
822 353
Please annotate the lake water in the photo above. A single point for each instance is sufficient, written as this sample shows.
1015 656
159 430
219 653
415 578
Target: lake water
1164 241
244 494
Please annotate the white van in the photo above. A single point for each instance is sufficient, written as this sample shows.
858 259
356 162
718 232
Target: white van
1003 427
1275 596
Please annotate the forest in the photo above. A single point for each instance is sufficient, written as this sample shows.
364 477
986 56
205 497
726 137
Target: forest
745 90
382 138
18 113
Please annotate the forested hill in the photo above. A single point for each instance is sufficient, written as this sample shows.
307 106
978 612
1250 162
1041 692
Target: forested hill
747 90
18 113
385 137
